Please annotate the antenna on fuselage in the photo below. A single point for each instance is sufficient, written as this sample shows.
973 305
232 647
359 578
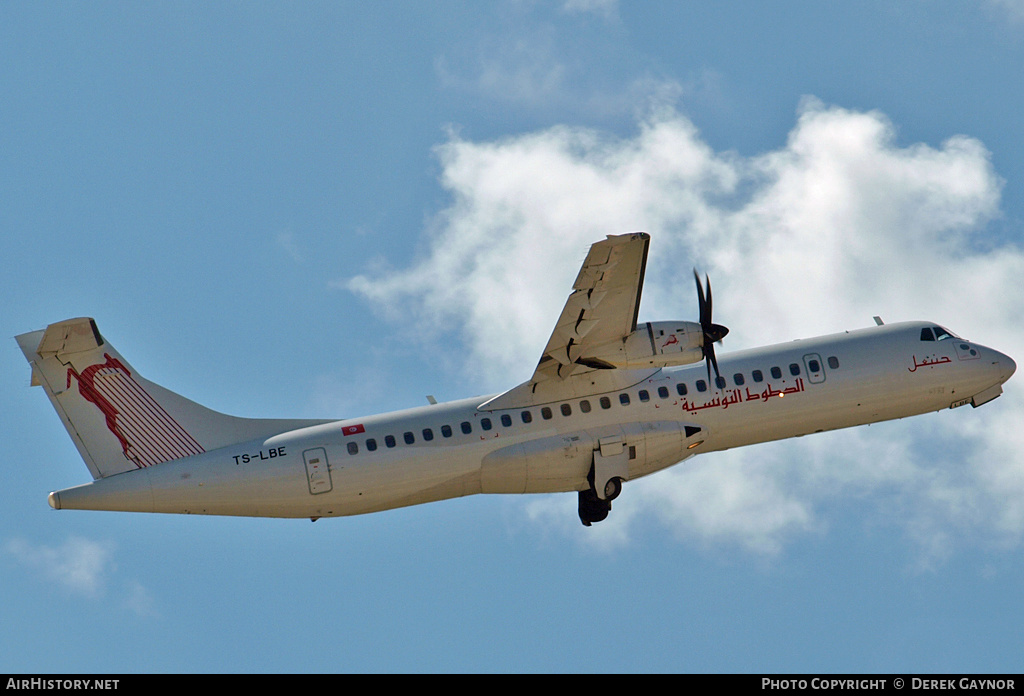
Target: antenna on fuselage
878 321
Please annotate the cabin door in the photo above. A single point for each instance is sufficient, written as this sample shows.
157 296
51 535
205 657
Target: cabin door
318 473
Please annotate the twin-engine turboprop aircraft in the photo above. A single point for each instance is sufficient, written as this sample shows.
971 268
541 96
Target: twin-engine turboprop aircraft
610 401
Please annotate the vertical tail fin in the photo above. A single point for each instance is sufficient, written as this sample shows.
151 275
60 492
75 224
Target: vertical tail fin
117 419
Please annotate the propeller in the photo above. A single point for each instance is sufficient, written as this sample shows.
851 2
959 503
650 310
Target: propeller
713 333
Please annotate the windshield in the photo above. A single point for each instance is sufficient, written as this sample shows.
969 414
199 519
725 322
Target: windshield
936 333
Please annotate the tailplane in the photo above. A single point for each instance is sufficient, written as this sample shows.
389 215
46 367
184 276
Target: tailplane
117 419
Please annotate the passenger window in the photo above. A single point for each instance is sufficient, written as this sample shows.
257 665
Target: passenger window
624 399
833 362
681 389
702 386
527 417
506 420
408 437
371 445
485 423
794 369
585 406
814 366
545 413
467 428
663 392
446 430
389 440
927 335
353 448
757 375
428 434
566 410
606 403
776 373
738 379
644 396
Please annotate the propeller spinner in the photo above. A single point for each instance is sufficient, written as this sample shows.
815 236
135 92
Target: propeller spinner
713 333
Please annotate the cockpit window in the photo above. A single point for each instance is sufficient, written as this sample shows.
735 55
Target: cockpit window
927 335
941 333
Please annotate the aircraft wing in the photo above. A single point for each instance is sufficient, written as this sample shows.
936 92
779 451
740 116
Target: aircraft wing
602 308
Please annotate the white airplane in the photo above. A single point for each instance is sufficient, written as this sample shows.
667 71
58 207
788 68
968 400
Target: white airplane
609 402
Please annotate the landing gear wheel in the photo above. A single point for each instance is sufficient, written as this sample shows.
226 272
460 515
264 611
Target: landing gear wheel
592 508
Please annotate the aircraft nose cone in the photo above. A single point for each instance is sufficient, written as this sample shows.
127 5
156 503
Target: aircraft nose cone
1009 366
1004 364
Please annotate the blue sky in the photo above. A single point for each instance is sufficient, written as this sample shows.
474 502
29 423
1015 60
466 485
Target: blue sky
335 209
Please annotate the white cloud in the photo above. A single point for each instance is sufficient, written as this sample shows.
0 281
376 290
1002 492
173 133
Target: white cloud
523 70
139 600
1013 9
838 224
536 69
80 565
609 9
286 240
83 567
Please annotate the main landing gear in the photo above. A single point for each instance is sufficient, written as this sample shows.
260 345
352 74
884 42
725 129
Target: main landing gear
594 508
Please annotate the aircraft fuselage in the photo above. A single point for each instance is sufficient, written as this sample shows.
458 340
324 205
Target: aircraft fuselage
454 449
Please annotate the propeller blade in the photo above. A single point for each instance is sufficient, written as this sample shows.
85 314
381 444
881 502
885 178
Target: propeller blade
701 302
708 293
709 353
713 333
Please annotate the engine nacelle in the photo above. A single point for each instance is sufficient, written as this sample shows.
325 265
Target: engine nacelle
654 344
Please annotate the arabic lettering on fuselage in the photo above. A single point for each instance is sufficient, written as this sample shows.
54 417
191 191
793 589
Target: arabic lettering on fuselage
928 362
735 396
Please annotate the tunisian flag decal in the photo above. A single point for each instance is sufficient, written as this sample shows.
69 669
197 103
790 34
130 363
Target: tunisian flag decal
353 429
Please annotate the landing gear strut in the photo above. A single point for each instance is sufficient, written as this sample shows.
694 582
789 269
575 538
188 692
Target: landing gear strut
592 507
